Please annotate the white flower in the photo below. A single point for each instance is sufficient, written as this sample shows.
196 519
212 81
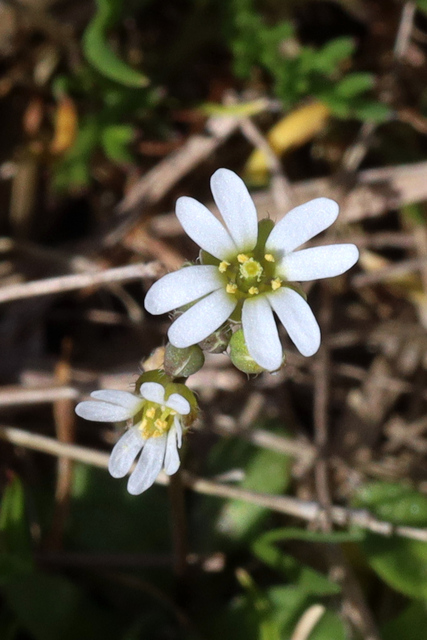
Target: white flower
247 270
157 431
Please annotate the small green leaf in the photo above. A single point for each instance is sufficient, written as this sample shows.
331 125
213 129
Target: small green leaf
15 541
98 51
396 503
329 626
50 607
308 579
115 140
334 52
411 624
370 110
353 84
400 562
267 472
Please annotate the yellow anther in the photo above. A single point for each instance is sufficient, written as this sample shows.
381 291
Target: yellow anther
223 266
276 284
242 258
150 413
161 424
269 257
231 288
253 291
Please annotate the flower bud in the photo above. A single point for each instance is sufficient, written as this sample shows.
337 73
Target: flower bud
181 363
240 356
218 341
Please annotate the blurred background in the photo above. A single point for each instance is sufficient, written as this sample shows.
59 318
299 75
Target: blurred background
301 510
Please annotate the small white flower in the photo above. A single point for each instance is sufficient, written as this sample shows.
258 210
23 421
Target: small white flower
248 271
157 431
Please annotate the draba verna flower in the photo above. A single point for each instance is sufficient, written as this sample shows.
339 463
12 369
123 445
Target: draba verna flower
249 270
158 412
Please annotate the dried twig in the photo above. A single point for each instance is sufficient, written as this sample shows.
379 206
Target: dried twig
60 284
306 510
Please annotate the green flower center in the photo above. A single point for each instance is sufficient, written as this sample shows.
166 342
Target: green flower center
248 274
155 419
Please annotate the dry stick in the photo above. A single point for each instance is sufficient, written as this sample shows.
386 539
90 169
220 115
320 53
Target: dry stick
394 271
59 284
405 30
281 188
376 192
309 511
308 621
64 417
155 184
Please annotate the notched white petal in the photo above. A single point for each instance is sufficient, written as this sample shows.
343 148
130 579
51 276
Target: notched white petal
202 319
297 318
102 411
176 289
202 227
236 207
178 403
301 224
153 391
178 429
172 460
319 262
125 452
122 398
260 331
149 465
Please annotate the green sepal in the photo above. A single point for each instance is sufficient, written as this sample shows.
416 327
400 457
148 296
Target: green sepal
185 392
207 258
239 354
182 363
156 375
265 227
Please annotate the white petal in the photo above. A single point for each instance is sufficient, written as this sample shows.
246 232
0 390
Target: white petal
149 465
297 318
181 287
178 403
178 428
260 331
237 208
202 319
318 262
121 398
202 227
172 460
302 224
125 452
102 411
153 391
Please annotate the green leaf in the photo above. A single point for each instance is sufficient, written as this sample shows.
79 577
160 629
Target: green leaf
98 51
51 607
396 503
334 52
410 625
15 541
115 140
370 110
330 626
311 581
72 171
266 472
422 5
353 84
400 562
